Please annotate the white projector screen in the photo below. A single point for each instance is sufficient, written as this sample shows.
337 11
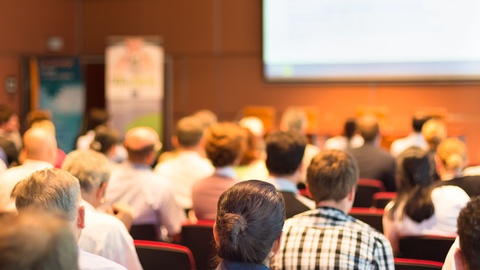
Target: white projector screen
371 40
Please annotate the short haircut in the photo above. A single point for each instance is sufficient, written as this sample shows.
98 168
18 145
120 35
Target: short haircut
452 153
91 168
5 113
368 127
350 128
418 122
250 217
468 226
294 118
285 151
331 175
37 240
224 143
51 189
189 131
105 138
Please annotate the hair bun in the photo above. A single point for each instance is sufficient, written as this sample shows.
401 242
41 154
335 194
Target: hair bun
238 225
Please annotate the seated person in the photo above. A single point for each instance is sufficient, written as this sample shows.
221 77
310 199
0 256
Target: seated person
348 140
420 207
248 231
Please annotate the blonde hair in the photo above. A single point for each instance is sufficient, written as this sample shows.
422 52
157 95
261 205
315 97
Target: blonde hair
453 154
434 131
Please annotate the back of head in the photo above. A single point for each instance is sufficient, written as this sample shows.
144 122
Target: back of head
140 143
40 144
418 121
206 117
469 233
413 168
350 128
294 119
331 175
224 143
453 154
285 151
368 127
36 116
50 189
105 138
254 124
37 240
189 131
5 114
44 124
250 218
91 168
434 131
250 152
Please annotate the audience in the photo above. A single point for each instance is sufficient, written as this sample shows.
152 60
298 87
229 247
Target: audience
451 160
108 142
37 240
295 119
57 190
348 140
327 237
249 225
10 139
223 145
420 207
252 163
373 161
434 131
415 138
39 150
284 162
187 166
96 117
134 182
103 234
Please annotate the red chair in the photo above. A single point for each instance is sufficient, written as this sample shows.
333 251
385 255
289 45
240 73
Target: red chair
381 199
160 255
366 188
198 237
411 264
371 216
425 247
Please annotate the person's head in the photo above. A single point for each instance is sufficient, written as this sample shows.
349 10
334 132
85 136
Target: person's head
8 119
254 124
250 151
294 119
285 151
206 117
92 169
188 132
96 117
332 176
468 229
368 127
142 144
224 143
413 169
350 127
250 217
434 131
45 124
39 144
451 156
105 141
52 190
418 121
36 239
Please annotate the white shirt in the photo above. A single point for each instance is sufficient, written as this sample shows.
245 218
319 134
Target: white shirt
89 261
342 143
449 263
84 141
10 177
106 236
413 139
182 171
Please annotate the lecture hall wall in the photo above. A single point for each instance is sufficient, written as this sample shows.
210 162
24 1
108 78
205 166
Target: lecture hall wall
215 47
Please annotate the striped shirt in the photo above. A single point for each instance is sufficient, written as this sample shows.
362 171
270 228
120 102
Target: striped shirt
326 238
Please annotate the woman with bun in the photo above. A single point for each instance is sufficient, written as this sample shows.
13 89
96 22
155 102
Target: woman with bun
249 225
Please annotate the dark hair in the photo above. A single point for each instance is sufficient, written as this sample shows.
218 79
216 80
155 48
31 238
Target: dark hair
350 128
250 217
189 131
331 175
418 121
414 178
5 113
285 151
224 144
105 138
96 117
469 232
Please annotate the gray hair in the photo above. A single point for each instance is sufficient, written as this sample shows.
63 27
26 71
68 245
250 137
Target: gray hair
294 118
90 167
51 189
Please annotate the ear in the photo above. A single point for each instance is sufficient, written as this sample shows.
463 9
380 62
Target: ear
276 244
459 260
100 192
81 217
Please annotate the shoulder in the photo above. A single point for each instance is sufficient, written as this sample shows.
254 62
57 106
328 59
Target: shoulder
89 261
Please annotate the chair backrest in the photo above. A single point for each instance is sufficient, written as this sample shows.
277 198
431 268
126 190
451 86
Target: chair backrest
412 264
381 199
365 190
158 255
425 247
371 216
144 232
198 237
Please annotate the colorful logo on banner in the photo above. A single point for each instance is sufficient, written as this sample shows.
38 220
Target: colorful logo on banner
62 92
134 82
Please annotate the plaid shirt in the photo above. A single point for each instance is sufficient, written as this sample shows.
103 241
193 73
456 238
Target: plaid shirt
326 238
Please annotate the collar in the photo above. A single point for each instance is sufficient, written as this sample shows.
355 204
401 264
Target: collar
34 162
283 184
227 172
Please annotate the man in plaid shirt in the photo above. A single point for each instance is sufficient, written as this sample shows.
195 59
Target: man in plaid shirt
327 237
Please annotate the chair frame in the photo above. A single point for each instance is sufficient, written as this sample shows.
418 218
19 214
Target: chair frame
166 247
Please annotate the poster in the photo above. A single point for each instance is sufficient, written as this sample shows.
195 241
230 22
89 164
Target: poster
134 74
